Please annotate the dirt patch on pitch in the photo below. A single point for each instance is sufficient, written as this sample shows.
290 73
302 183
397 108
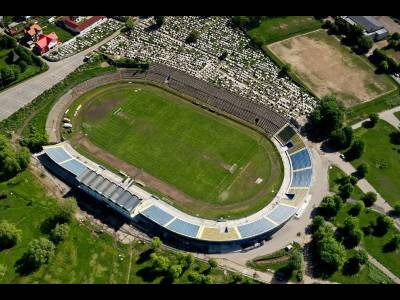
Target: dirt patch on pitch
96 111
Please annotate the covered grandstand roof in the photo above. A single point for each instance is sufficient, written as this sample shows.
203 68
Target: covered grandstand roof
369 23
109 190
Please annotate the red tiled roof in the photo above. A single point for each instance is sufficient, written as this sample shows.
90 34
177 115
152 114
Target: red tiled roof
45 39
84 24
33 29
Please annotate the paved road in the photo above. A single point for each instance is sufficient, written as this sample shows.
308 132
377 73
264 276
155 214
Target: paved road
21 94
387 115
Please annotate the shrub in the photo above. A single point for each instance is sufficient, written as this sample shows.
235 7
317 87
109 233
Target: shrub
397 208
373 118
212 263
362 170
369 199
295 260
9 235
155 243
299 275
59 233
39 252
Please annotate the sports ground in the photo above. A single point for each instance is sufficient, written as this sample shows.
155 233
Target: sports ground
325 67
213 167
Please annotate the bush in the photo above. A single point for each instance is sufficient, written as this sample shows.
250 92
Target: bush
299 275
373 118
197 278
295 260
155 243
369 199
212 263
39 252
356 150
397 208
59 233
9 235
362 170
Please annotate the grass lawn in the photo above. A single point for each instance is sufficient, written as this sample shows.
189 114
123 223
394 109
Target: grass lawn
349 76
374 244
393 54
335 174
87 256
397 114
30 71
212 159
62 34
383 159
274 29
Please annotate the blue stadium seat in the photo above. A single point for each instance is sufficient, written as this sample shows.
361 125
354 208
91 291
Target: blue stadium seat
74 166
255 228
302 178
57 154
183 227
157 215
300 160
281 213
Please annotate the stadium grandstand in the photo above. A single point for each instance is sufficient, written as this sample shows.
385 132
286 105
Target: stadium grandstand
156 217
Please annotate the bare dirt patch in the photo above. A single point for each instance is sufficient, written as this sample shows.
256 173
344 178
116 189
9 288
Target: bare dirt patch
327 67
96 112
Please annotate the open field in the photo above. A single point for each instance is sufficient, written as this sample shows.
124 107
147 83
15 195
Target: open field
383 159
62 34
212 160
274 29
87 255
325 66
375 245
335 174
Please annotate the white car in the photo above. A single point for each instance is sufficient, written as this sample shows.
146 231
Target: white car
342 156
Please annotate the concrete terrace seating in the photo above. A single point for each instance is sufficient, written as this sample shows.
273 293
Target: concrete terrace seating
57 154
215 234
74 166
157 215
281 213
286 134
255 228
297 144
183 227
302 178
300 159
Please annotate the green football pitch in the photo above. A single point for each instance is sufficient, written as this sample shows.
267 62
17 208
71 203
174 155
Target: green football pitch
224 168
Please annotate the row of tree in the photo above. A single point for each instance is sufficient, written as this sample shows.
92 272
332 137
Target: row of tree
385 63
12 160
353 34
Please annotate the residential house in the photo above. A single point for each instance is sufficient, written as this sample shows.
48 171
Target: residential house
81 24
32 33
46 42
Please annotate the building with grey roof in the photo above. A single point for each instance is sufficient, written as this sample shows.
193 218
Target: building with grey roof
372 27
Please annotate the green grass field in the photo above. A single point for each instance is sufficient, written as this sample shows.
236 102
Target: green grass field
374 244
383 159
212 159
335 174
87 255
274 29
62 34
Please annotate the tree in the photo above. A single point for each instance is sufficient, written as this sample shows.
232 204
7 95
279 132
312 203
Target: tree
356 150
364 43
212 263
175 271
327 116
350 224
395 36
395 242
369 199
66 210
130 23
362 170
35 140
383 224
361 257
159 262
348 132
193 37
325 230
397 208
331 253
12 160
295 259
155 243
373 118
197 278
317 222
160 20
285 70
357 208
346 190
383 67
338 138
330 206
7 75
39 252
9 235
354 237
59 233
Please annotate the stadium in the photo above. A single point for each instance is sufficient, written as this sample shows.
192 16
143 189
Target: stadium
275 198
